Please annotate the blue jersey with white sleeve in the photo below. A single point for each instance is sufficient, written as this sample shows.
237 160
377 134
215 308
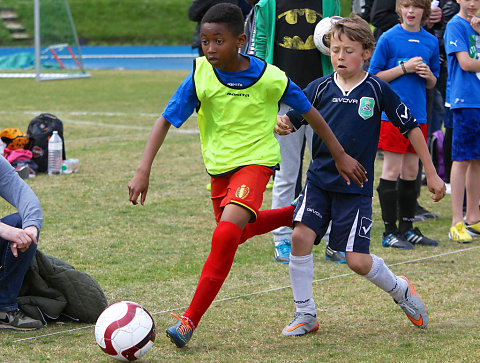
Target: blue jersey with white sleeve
355 118
464 86
184 100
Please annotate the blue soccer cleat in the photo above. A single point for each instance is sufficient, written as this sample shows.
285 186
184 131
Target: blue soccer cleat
181 333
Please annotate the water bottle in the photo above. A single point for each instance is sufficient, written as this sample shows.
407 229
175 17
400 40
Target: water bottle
70 166
435 4
55 154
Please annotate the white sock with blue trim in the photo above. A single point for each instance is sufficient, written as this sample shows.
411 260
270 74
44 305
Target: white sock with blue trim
385 279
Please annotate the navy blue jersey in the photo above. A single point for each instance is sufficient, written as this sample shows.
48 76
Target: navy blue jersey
354 117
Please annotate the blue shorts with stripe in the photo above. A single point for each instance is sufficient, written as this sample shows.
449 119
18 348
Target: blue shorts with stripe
350 214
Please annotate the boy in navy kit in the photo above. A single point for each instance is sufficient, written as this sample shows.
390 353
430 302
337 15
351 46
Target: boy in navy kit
406 56
237 99
462 45
351 101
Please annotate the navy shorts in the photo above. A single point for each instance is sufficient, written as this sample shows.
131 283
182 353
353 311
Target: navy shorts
466 134
351 216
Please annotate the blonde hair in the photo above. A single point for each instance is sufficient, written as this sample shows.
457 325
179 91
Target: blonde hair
354 28
426 5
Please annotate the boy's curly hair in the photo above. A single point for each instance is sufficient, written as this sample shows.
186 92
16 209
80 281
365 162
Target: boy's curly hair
228 14
426 5
354 28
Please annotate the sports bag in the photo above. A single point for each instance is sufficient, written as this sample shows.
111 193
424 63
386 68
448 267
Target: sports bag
39 130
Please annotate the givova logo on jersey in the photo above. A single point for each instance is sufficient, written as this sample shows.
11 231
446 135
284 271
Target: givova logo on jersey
474 50
366 107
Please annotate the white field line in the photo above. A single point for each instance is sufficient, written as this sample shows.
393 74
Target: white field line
260 292
85 113
102 124
131 127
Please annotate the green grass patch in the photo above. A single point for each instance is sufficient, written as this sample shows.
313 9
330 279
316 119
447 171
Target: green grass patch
153 254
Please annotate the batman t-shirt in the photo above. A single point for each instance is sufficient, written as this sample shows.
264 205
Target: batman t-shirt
295 52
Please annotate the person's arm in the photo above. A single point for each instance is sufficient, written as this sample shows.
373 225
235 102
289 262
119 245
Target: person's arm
260 37
179 108
413 65
16 192
466 63
436 16
348 167
139 183
20 238
425 72
435 184
475 23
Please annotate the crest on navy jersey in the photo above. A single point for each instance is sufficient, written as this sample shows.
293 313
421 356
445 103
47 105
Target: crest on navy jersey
366 107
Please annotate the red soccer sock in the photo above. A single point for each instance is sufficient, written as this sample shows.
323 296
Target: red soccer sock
225 241
268 220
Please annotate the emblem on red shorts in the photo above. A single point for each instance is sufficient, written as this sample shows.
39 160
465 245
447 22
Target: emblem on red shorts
242 191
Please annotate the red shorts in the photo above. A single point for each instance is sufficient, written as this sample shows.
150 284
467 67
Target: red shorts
245 187
392 140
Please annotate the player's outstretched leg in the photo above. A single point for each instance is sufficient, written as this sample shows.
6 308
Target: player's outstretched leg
181 332
413 306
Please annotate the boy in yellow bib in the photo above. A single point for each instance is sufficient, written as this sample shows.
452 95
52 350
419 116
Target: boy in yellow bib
237 99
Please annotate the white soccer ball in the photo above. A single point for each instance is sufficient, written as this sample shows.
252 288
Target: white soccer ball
125 331
322 28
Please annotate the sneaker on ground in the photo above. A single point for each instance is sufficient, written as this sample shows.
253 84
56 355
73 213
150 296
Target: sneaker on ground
473 229
421 214
181 333
413 306
396 240
416 237
335 256
282 251
23 171
17 320
301 324
458 233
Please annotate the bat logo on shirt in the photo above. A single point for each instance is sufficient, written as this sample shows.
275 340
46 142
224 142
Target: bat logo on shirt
291 17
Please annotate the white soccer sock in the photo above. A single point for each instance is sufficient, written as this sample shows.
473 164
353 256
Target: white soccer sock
385 279
301 277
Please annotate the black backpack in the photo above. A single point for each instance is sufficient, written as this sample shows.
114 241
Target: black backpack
39 130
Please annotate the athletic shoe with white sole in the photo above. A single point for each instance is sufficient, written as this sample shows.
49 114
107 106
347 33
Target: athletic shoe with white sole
396 240
458 233
416 237
413 306
334 256
282 250
421 214
473 229
301 324
181 333
17 320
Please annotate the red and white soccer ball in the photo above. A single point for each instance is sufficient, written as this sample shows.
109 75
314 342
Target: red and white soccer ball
125 331
322 28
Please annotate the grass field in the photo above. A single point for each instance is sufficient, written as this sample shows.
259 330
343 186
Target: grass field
153 254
